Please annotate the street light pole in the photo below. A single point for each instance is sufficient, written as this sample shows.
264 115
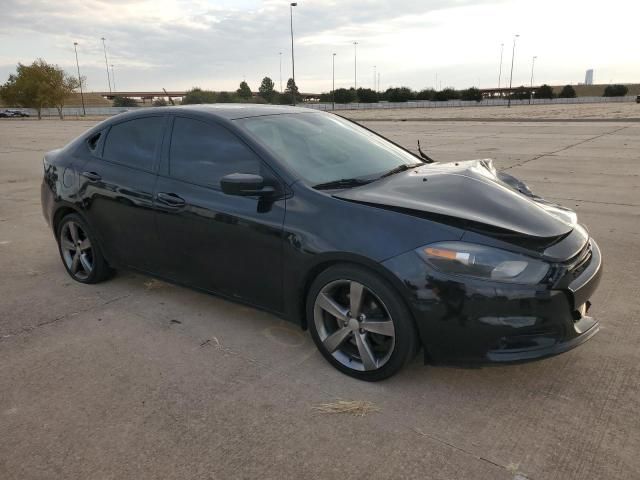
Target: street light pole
75 47
293 64
355 66
280 54
106 63
333 83
533 62
113 79
374 79
500 70
513 54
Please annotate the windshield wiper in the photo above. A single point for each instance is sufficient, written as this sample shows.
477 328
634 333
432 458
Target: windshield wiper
400 168
342 183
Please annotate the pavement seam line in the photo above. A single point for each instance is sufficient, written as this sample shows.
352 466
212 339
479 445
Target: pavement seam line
593 201
467 452
31 328
565 148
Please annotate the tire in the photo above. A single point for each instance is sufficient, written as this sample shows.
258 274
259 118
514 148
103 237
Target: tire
80 252
365 345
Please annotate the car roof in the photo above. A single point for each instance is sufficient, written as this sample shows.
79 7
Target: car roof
227 111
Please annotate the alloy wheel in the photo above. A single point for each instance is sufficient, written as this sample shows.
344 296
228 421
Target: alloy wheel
76 250
354 325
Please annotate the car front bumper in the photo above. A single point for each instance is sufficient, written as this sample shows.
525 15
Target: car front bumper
471 322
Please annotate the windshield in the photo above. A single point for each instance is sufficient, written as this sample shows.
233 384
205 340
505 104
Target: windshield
323 148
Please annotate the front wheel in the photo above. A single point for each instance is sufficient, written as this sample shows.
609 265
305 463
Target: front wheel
359 323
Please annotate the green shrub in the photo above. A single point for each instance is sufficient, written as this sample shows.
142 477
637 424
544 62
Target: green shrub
568 92
124 102
367 95
544 91
471 94
616 90
399 94
197 95
426 94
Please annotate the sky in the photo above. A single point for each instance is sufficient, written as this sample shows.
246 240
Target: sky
215 44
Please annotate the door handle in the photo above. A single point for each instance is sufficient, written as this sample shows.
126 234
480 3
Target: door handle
92 176
171 199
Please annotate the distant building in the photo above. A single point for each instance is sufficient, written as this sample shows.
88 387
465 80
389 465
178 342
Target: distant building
588 77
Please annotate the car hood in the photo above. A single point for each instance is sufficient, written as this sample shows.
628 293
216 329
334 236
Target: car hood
469 191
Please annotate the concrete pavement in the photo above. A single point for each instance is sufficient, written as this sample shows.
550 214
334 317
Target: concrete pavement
135 378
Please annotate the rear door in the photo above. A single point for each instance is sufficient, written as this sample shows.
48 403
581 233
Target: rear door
118 191
218 242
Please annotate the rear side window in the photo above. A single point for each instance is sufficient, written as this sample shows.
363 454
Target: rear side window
93 140
204 153
134 143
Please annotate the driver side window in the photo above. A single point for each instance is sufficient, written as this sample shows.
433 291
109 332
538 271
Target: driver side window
203 153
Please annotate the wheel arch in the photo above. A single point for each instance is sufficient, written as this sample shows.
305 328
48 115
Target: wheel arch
330 260
64 209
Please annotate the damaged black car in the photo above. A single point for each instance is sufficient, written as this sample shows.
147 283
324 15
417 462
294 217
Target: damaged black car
378 252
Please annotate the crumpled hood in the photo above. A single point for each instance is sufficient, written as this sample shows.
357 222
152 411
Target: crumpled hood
470 191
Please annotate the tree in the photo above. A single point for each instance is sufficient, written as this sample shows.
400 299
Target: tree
615 91
37 86
225 97
446 94
266 89
567 92
399 94
197 95
471 94
244 91
367 95
426 94
544 91
344 95
290 92
124 102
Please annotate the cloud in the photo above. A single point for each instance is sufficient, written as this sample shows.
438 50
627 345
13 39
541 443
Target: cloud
215 44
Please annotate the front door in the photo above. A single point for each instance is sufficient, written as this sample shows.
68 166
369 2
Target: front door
222 243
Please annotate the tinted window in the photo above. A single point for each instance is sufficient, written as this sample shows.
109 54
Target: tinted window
93 140
204 153
134 143
323 147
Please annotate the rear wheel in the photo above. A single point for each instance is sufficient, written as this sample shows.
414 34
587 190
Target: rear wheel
79 251
359 323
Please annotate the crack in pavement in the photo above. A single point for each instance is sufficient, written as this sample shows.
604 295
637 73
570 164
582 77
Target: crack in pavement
596 202
507 468
567 147
30 328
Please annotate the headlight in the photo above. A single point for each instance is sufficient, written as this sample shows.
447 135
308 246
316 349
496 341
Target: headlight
483 262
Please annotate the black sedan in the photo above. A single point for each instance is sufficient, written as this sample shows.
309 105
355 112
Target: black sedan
378 252
13 114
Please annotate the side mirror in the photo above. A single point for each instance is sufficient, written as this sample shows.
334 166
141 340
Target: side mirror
245 185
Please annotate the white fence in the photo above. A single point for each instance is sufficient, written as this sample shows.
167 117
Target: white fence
108 111
465 103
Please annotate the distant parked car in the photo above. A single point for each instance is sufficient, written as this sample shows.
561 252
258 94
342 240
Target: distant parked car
638 99
15 113
3 114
